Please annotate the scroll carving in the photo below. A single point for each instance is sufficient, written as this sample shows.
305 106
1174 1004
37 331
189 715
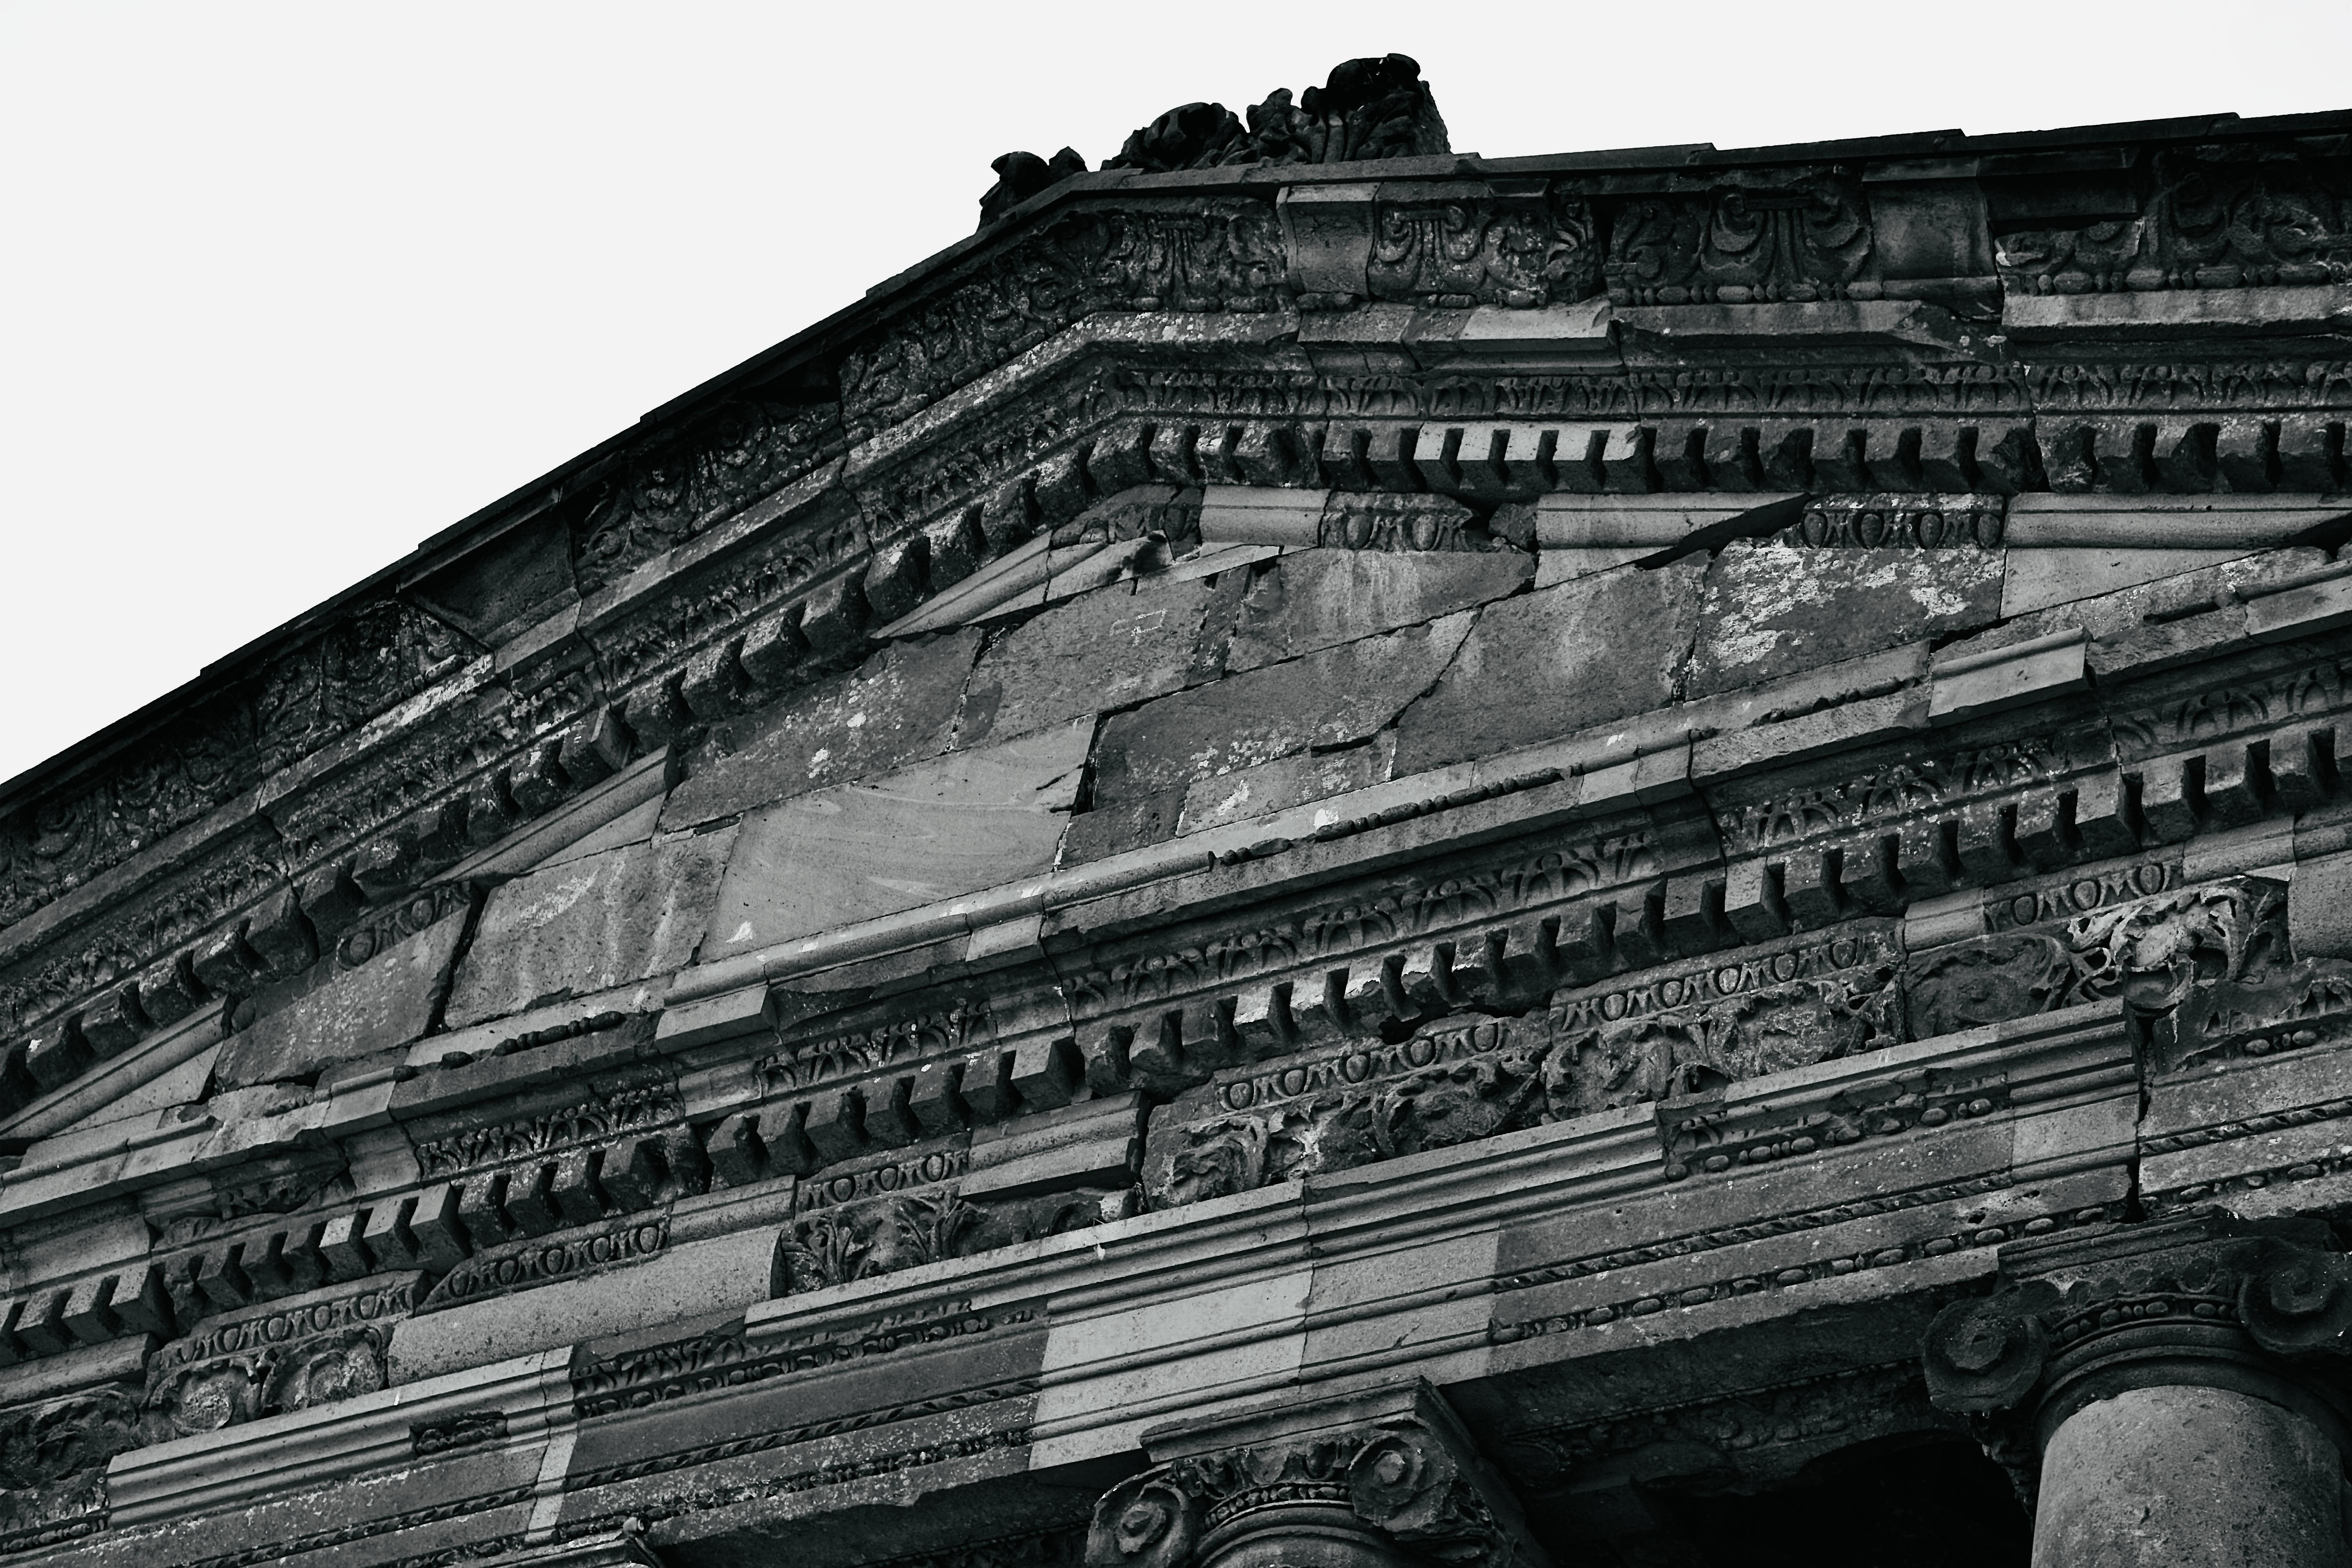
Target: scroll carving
1406 1480
1806 239
2218 219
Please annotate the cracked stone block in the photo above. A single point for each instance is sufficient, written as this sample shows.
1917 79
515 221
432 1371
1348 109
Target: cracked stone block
1776 610
1315 599
953 825
590 924
1103 649
1330 699
899 705
383 1003
1556 662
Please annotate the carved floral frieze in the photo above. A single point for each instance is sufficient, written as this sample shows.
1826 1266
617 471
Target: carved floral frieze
2215 219
675 489
290 1357
1464 1079
1802 238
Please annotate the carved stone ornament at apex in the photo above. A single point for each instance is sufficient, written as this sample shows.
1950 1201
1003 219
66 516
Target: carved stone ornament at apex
2170 1393
1370 1481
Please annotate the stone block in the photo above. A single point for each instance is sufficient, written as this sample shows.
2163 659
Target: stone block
589 924
2237 524
1092 1143
2059 574
1261 514
1314 599
2319 907
1774 610
383 1003
955 824
1997 679
1114 828
1286 781
685 1280
1107 648
1556 662
1334 697
900 705
2311 610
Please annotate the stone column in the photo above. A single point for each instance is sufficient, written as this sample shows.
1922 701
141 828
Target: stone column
2168 1395
1385 1480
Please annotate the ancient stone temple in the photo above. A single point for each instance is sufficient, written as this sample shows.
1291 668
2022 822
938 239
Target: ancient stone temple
1325 855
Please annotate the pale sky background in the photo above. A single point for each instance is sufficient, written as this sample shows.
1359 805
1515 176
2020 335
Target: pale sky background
286 289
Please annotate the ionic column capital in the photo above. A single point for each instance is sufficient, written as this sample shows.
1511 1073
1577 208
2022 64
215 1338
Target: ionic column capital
2204 1299
1369 1480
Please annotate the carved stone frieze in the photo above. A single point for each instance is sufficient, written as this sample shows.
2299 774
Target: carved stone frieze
1407 907
2218 710
805 1064
2209 963
1463 1078
835 1243
473 1430
1764 817
539 1260
2216 219
1221 253
313 1351
53 1460
617 1108
1899 522
1483 246
1799 238
1402 524
670 491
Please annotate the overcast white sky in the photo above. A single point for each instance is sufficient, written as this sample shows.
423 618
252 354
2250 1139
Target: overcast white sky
286 289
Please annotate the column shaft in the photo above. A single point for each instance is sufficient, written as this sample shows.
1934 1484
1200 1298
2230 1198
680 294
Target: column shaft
2175 1477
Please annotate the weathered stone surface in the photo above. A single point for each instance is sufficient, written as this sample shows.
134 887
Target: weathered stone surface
1556 662
1772 610
2179 1475
1313 599
1334 697
1113 827
686 1280
1285 782
1109 648
899 705
383 1003
589 925
2059 574
953 825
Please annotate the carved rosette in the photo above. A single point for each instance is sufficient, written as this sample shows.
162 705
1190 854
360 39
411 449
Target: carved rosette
1399 1488
2201 1300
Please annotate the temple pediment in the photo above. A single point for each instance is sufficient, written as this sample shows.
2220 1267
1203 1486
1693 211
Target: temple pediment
1320 825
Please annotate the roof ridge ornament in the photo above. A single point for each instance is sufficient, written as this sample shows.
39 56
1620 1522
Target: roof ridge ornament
1371 107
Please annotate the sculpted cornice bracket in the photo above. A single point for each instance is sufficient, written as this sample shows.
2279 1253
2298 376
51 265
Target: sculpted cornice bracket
1365 1481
